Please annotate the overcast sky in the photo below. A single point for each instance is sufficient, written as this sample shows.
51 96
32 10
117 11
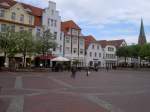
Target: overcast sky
105 19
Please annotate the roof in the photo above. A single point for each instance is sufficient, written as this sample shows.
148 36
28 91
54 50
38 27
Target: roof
116 43
66 25
88 40
9 3
35 11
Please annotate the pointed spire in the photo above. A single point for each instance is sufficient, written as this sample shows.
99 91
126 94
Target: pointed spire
142 37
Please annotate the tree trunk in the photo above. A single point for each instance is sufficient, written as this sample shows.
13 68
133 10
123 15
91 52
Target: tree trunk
6 63
24 60
126 61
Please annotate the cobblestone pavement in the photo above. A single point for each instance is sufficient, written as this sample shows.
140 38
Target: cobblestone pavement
113 91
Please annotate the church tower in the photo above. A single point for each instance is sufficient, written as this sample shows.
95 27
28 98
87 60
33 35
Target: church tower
142 37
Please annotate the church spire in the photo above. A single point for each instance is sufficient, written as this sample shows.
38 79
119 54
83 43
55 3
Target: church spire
142 37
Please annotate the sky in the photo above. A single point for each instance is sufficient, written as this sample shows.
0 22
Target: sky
105 19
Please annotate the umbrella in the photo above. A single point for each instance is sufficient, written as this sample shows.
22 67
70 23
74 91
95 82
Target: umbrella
60 59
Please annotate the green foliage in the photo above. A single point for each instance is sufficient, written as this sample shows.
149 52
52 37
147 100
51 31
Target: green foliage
8 42
25 42
145 51
45 42
123 52
134 50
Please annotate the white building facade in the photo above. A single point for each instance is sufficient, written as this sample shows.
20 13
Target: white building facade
52 20
94 55
109 56
74 47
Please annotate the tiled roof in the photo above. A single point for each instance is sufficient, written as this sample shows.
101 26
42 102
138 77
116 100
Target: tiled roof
9 3
103 43
88 40
65 26
35 11
116 43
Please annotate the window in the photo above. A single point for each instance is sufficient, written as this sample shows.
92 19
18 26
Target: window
22 18
67 50
81 51
95 54
52 12
3 27
52 22
12 28
98 47
110 49
48 21
21 29
61 36
30 19
2 12
55 24
75 50
60 48
81 42
67 40
55 35
74 40
90 54
13 16
99 54
93 46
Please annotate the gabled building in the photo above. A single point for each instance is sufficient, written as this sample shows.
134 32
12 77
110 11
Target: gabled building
109 53
74 47
93 52
20 16
51 20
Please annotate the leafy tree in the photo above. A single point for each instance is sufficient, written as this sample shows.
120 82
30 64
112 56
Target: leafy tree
123 52
45 42
145 51
26 44
134 51
8 43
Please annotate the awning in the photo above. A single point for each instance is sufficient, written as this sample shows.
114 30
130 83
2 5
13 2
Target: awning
60 59
46 57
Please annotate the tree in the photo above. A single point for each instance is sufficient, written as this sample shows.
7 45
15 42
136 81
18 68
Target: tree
45 42
134 51
25 44
145 51
123 52
8 43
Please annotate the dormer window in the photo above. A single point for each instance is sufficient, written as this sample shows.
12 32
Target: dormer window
13 16
30 19
52 12
2 12
22 18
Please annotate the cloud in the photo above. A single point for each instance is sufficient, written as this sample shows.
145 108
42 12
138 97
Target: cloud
99 15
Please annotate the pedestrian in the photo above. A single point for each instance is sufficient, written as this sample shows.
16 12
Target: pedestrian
73 70
87 72
107 68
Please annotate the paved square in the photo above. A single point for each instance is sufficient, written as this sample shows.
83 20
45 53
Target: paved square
113 91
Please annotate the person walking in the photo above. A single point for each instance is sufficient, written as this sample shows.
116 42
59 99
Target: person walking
73 70
107 68
87 71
